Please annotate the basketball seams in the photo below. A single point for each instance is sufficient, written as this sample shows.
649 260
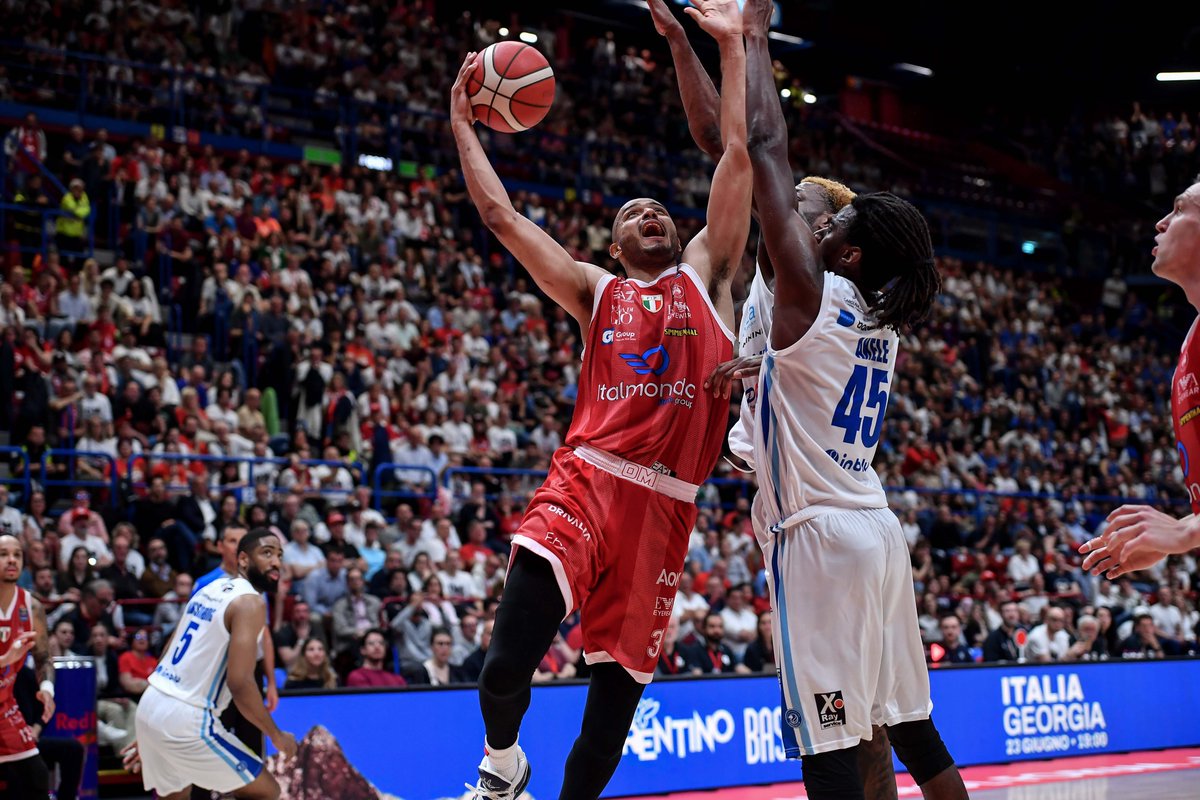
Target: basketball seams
504 103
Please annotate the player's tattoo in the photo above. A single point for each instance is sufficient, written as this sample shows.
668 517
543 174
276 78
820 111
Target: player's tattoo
41 648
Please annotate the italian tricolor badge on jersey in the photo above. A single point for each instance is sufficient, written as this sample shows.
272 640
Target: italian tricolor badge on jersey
652 302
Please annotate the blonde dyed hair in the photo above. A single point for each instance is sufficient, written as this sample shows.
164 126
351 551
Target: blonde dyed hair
839 193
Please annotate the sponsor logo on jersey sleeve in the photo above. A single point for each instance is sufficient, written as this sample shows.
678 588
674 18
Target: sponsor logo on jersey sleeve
1188 385
652 303
1189 415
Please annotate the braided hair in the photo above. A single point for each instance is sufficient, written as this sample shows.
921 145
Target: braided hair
899 275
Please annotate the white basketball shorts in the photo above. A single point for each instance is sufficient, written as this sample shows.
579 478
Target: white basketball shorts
847 644
183 745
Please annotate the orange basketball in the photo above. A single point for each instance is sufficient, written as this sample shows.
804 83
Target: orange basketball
512 87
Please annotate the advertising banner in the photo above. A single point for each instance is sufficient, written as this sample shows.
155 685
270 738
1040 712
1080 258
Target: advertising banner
716 732
75 714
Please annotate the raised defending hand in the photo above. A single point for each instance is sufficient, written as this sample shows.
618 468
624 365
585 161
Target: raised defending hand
460 103
664 21
718 18
1136 538
756 15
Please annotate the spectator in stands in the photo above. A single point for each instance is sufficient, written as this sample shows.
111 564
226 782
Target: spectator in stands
323 587
1168 620
460 584
11 519
78 573
156 515
300 556
25 148
82 509
739 621
1050 640
115 713
373 649
412 623
558 663
71 227
438 607
292 634
760 654
466 637
312 670
136 664
168 612
158 578
690 606
472 665
354 613
1144 642
62 639
955 650
124 582
713 655
436 670
1001 644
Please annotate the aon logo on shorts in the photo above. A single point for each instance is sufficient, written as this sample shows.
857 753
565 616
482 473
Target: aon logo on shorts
667 578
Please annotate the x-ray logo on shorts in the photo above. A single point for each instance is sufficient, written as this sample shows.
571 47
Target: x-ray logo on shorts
831 709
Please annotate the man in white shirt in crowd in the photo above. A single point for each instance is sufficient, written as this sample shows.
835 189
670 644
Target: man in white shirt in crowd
1168 620
442 541
690 606
300 555
741 623
1050 640
94 403
12 523
458 582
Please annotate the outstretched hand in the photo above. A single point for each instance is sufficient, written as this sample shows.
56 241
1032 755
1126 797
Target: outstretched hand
460 102
718 18
1135 538
664 21
756 15
735 369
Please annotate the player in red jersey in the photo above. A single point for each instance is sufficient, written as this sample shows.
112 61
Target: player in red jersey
1138 536
22 629
607 532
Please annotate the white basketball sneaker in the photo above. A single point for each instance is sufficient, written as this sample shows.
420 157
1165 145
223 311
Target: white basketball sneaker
494 785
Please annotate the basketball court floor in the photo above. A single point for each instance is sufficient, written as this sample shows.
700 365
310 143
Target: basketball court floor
1157 775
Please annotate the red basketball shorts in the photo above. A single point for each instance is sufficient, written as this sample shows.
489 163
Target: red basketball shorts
16 738
617 546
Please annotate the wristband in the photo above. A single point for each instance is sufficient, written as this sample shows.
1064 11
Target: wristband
47 687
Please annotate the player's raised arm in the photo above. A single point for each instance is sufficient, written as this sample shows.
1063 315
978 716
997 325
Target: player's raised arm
717 257
701 105
569 283
799 275
246 617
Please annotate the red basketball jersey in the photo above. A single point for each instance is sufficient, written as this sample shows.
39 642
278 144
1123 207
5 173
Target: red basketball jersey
648 350
1185 413
13 622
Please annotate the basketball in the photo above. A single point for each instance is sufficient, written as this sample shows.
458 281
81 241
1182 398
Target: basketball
512 87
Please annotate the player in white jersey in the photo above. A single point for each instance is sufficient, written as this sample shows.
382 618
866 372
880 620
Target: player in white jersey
849 647
209 661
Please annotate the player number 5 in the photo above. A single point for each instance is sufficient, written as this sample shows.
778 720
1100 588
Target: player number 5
185 641
848 414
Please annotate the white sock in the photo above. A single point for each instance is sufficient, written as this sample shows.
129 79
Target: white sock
503 760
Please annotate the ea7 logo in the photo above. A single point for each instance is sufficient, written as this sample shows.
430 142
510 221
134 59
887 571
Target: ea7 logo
831 709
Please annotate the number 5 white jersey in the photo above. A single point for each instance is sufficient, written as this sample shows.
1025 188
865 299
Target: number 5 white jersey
820 412
194 667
